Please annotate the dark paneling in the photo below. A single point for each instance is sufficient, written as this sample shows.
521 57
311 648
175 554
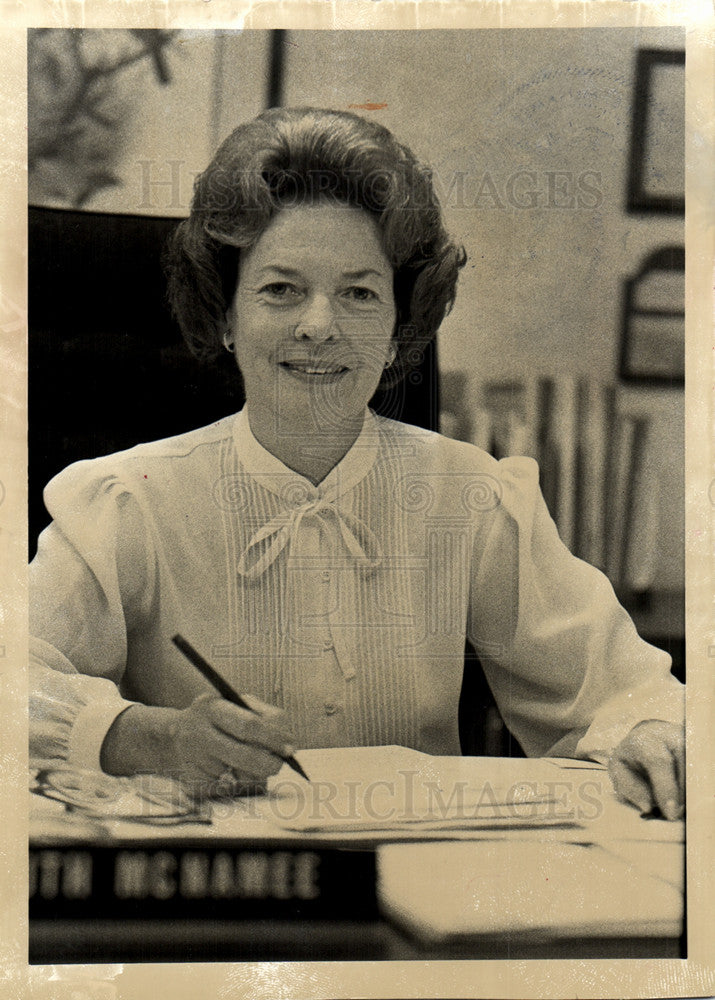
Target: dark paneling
108 367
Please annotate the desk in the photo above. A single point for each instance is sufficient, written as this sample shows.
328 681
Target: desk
445 878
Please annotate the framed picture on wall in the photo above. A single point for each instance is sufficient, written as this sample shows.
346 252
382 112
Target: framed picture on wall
656 175
653 325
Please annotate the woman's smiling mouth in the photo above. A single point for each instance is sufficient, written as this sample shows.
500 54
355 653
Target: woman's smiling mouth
312 370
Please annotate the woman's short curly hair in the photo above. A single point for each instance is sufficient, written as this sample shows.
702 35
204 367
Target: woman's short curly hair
289 156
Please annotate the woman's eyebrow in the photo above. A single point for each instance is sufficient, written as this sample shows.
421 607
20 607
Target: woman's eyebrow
357 275
287 272
291 272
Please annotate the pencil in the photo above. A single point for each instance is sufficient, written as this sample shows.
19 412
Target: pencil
224 688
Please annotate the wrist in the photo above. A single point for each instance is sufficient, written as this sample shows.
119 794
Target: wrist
139 741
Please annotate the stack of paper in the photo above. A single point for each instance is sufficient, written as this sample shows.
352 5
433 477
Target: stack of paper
383 789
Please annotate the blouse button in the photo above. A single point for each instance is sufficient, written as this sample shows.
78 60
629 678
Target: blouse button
330 708
325 575
328 645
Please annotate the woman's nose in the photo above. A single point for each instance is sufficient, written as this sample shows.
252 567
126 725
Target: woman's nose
318 321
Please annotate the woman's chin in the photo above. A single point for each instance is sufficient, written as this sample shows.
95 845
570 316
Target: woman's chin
322 402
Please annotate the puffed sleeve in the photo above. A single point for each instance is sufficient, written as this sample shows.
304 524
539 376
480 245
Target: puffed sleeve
89 585
569 673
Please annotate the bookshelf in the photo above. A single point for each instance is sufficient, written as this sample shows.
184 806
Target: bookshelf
598 479
596 462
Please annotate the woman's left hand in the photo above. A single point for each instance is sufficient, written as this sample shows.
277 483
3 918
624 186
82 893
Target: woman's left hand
647 768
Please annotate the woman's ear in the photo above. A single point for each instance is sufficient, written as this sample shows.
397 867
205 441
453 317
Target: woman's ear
228 261
228 336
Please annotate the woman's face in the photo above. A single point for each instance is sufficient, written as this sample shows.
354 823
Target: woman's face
312 319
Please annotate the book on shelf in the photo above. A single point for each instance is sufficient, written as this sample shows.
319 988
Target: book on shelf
632 508
637 567
504 404
546 451
595 415
594 473
562 439
481 429
617 500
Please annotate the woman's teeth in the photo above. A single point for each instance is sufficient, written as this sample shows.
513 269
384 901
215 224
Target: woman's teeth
312 370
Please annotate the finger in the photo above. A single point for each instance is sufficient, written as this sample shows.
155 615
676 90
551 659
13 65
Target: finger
630 786
263 708
196 780
254 762
201 769
234 787
657 750
677 749
245 726
208 752
220 715
202 751
663 778
271 714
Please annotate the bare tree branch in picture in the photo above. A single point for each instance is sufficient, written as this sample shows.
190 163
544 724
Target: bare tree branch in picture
78 117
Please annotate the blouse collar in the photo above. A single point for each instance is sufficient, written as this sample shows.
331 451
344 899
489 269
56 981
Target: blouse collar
271 473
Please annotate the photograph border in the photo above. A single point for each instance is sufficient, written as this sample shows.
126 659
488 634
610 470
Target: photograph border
598 978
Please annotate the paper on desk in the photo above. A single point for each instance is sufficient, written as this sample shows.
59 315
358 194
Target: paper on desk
398 789
541 890
663 860
369 795
618 822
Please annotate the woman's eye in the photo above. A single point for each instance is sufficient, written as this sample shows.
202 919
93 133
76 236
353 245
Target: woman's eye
360 294
280 290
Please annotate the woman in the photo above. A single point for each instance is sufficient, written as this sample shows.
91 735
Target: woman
328 562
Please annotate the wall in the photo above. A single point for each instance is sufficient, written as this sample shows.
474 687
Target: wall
541 291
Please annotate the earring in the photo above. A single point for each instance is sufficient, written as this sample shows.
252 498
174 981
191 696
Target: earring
228 342
393 355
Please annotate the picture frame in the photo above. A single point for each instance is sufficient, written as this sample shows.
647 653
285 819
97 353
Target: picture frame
656 181
653 321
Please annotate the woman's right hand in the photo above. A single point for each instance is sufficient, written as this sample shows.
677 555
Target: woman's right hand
212 746
217 746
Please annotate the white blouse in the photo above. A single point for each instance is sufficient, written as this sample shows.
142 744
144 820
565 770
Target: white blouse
347 604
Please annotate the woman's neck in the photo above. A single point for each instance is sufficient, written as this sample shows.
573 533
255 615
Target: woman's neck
310 451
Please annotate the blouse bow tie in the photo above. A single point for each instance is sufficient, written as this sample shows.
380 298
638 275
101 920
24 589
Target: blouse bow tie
282 530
